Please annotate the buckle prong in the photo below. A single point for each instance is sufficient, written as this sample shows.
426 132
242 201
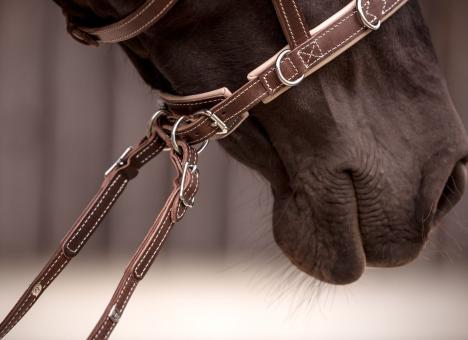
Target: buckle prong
217 122
119 162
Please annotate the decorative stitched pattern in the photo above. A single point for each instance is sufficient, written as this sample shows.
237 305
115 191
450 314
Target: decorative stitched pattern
367 6
312 50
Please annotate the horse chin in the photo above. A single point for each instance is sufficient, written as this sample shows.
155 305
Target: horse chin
318 230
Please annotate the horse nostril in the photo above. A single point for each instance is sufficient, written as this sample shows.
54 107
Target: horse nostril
453 190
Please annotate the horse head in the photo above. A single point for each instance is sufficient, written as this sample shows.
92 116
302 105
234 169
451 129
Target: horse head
364 157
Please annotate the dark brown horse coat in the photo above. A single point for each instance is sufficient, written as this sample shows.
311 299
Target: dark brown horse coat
364 157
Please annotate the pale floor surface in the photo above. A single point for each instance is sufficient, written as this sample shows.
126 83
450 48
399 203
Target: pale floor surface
200 299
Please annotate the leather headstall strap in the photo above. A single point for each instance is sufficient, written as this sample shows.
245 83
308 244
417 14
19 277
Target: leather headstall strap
210 115
137 22
292 22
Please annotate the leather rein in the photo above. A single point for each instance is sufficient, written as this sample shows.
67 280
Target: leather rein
187 121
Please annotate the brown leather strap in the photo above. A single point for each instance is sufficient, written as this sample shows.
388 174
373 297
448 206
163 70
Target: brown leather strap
292 22
328 41
173 211
137 22
125 169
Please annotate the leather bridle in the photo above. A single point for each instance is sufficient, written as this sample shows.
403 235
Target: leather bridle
187 121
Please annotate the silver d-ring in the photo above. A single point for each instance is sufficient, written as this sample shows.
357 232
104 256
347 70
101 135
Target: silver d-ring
174 137
154 119
280 75
364 19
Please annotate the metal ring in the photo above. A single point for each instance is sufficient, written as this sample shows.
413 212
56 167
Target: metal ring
364 19
174 139
154 119
280 75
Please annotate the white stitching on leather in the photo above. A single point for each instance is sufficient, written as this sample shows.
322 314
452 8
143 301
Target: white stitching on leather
149 248
100 217
282 62
13 321
368 5
146 148
338 45
50 268
311 54
142 28
129 19
287 22
169 227
128 296
123 289
110 330
232 117
229 101
55 274
385 9
147 158
325 34
294 67
299 17
121 308
101 328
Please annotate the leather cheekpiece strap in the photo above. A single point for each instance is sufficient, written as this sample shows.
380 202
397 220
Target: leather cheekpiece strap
292 22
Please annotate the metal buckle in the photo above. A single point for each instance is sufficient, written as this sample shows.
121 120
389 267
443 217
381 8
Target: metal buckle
193 168
119 162
280 75
217 122
174 137
362 16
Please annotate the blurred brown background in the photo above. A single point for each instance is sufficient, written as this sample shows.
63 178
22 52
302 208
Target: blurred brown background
67 111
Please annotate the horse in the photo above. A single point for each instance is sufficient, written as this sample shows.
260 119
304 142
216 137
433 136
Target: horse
363 159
